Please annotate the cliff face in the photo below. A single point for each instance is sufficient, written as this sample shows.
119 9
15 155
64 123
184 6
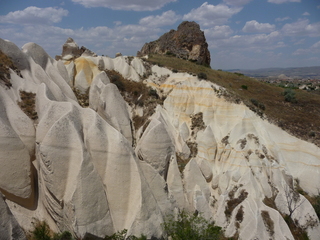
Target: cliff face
96 171
187 42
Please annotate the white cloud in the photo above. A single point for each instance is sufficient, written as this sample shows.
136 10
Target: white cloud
135 5
211 15
302 28
237 2
35 15
249 42
316 45
302 41
300 52
255 27
315 48
306 14
167 18
282 1
218 32
282 19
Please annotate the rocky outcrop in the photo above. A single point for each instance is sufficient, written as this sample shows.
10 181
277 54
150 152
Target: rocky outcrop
71 50
188 42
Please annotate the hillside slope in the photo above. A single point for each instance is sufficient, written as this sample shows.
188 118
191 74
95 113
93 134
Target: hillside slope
301 118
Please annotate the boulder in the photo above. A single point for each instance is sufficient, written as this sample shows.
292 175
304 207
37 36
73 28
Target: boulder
188 42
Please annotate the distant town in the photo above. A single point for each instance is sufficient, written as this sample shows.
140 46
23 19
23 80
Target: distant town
305 78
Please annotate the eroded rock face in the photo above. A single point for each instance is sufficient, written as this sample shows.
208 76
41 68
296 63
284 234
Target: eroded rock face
9 227
187 42
78 169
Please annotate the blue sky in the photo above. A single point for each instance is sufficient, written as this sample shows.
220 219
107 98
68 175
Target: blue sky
246 34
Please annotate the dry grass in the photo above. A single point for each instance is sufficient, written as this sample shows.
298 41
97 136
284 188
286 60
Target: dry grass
5 64
232 203
28 104
269 224
136 94
83 98
301 119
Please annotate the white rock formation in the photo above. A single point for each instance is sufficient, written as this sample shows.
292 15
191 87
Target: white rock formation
9 227
77 168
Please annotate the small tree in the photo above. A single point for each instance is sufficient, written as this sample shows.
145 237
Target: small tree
292 199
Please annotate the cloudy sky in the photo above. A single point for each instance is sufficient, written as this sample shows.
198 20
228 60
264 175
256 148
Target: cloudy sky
246 34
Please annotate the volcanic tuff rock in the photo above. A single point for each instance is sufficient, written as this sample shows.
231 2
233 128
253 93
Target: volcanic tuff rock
89 171
187 42
71 50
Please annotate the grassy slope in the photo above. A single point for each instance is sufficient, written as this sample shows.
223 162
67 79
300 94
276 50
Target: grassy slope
301 119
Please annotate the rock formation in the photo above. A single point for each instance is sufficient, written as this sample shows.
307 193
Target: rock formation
89 171
188 42
71 50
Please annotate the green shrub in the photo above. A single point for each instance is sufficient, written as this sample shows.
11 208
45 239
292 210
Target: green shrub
42 232
289 95
202 75
245 87
238 74
316 205
122 235
191 227
258 104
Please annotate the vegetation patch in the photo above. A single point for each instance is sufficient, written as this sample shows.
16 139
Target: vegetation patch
289 95
191 227
297 232
242 142
202 75
5 64
239 217
233 202
136 94
122 235
268 223
225 140
197 122
42 231
193 146
83 98
28 104
294 118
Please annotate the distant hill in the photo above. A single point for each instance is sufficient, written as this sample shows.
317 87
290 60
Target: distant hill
296 72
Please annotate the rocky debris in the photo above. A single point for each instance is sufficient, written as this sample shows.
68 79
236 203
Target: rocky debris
188 42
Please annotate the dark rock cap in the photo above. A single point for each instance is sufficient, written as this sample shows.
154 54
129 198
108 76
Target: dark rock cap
188 42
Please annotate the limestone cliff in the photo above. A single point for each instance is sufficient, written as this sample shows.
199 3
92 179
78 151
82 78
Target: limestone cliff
95 170
187 42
